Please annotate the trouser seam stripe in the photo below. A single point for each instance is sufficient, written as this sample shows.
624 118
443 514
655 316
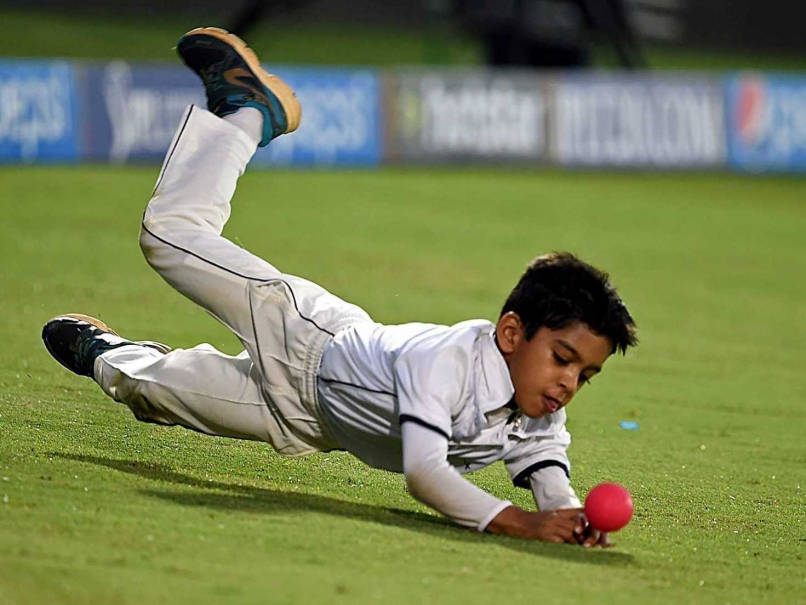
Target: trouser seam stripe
242 276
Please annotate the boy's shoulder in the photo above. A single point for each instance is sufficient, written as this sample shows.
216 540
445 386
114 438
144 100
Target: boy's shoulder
433 339
462 359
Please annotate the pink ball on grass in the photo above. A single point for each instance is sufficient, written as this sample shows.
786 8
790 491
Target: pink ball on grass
608 507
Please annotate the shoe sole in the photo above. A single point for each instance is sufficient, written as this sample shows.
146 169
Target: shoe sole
281 90
90 320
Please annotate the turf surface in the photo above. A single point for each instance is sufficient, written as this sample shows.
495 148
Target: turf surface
96 508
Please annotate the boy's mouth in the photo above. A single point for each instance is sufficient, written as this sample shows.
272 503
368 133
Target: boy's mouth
552 404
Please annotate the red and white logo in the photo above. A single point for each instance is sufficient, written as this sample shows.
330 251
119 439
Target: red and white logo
751 112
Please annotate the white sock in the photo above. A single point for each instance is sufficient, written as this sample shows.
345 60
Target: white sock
250 120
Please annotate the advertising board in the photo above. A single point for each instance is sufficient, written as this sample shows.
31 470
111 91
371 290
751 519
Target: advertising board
452 116
121 112
766 122
132 111
341 119
641 121
37 111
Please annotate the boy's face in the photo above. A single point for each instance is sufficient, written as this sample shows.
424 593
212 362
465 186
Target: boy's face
548 370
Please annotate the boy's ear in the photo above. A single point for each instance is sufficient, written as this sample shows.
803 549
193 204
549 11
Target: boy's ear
509 332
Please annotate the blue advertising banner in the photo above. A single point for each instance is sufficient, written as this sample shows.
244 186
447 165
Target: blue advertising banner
132 110
120 112
766 122
37 111
341 120
636 121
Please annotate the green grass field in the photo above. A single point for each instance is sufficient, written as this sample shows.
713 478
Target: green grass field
97 508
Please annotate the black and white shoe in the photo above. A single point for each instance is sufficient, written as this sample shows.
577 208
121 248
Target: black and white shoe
75 341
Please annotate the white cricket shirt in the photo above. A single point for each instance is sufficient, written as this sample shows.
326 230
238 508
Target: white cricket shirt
453 381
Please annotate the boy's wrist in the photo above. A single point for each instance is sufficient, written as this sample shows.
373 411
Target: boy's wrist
511 521
493 514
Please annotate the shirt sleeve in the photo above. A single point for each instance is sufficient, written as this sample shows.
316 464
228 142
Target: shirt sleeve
429 384
552 489
433 481
540 463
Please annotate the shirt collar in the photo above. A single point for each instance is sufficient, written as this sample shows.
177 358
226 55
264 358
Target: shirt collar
493 384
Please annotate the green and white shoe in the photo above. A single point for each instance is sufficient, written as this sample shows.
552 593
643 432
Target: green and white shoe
233 78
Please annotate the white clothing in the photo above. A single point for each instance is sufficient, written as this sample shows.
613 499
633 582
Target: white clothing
433 481
451 379
250 120
317 372
283 321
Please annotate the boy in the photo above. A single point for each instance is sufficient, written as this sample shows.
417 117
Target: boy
317 373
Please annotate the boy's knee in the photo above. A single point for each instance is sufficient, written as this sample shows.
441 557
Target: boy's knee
148 243
155 247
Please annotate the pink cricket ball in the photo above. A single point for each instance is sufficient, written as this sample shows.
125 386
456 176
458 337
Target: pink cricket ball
608 507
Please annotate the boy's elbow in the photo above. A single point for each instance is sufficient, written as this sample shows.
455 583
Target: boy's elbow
414 487
419 479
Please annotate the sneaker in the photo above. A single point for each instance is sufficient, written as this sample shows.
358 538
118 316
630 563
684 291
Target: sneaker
233 79
76 340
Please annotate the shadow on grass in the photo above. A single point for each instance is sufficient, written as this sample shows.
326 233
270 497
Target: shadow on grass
261 500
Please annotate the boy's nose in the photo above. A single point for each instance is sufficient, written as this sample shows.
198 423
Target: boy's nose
569 385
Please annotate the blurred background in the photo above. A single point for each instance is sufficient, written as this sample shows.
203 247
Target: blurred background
709 34
594 83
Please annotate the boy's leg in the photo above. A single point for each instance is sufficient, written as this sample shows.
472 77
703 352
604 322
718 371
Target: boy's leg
200 388
181 229
167 389
283 321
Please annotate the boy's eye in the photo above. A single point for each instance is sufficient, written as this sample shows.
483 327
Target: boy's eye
560 360
584 379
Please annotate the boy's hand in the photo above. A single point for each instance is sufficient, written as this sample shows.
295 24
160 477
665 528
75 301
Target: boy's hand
564 525
588 536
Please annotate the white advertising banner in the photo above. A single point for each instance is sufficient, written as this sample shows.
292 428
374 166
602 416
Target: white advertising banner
642 121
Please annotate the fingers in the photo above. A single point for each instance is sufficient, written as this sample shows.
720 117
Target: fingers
597 538
570 522
581 527
604 540
570 525
580 524
587 536
572 518
560 525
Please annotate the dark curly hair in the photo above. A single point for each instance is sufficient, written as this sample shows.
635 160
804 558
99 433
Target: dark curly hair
558 289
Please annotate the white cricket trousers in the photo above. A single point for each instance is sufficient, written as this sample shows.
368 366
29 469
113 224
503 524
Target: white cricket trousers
268 392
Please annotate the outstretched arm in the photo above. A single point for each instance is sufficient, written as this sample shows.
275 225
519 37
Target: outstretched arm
436 483
433 481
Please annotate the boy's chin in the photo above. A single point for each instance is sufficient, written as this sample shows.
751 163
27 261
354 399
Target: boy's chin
533 410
